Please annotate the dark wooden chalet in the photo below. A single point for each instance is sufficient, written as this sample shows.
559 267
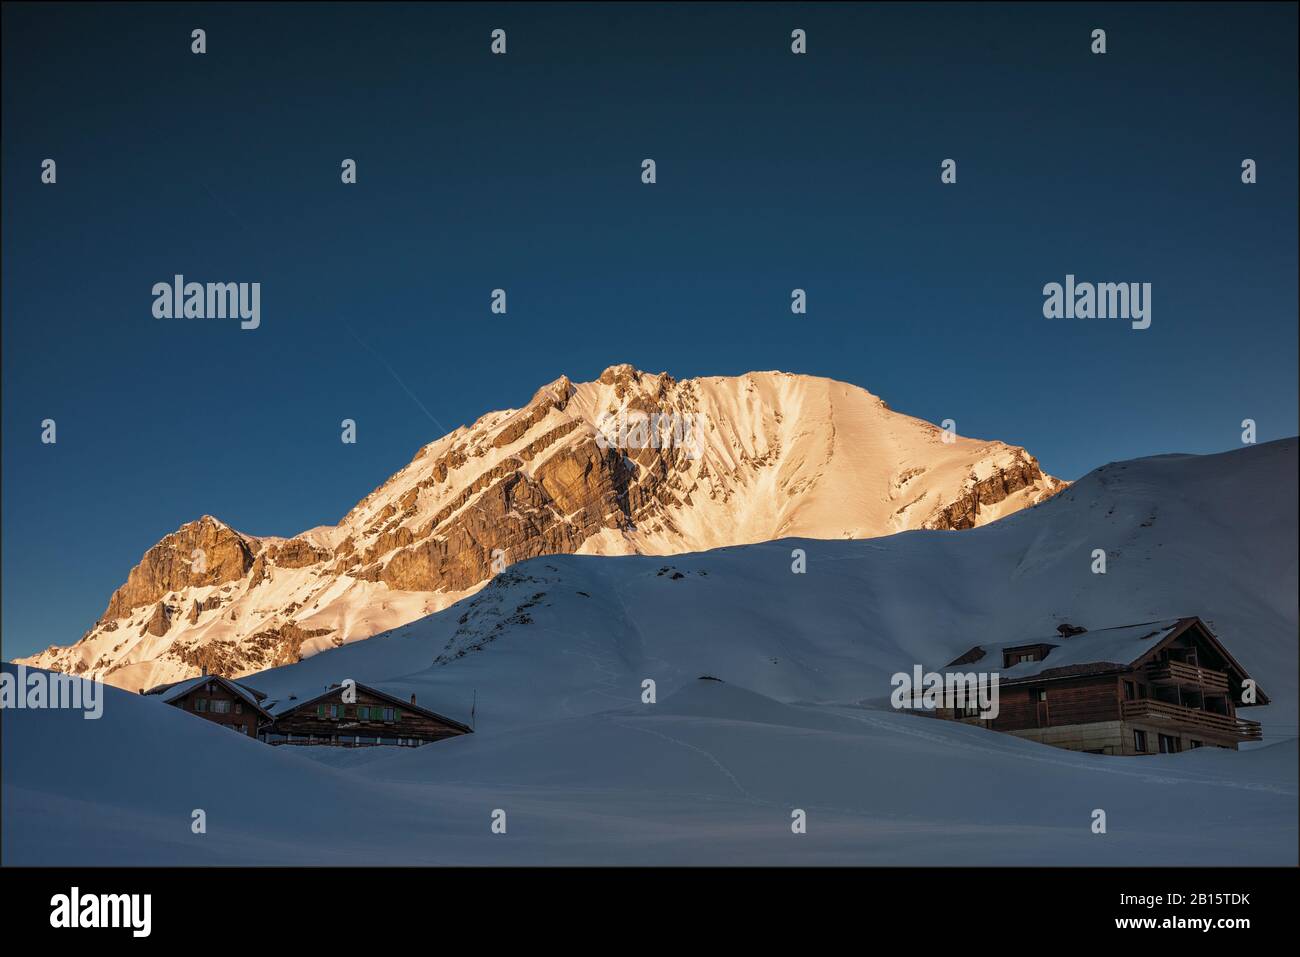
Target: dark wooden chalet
1159 687
226 702
374 718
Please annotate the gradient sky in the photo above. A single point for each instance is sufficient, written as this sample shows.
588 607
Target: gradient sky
775 171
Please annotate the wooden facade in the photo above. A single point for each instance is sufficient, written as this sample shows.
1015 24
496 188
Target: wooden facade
373 718
220 700
1179 693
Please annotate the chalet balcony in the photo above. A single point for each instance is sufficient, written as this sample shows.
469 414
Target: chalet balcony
1185 675
1149 709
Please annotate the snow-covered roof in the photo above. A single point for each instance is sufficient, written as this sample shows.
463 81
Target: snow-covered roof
279 708
182 688
1119 646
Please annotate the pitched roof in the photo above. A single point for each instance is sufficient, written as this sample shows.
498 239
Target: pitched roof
1119 647
278 709
180 689
162 688
1106 649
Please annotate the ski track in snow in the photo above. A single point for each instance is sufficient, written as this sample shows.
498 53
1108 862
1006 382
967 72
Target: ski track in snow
726 772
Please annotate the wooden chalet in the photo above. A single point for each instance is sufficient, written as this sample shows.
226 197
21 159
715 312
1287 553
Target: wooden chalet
220 700
1160 687
374 718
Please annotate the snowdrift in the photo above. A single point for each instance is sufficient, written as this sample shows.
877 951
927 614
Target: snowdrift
711 776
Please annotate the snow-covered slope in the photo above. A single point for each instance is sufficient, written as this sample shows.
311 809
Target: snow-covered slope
1212 536
710 775
580 469
556 650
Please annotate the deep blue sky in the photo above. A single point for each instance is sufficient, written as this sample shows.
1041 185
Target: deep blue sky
523 171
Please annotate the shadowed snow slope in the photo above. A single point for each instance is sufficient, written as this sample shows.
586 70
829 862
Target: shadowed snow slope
711 776
1213 536
557 648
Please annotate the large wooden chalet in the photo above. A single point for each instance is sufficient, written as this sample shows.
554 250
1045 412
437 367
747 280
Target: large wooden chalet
1159 687
228 703
373 718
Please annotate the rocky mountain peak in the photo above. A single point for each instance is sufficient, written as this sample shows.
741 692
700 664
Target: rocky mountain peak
740 459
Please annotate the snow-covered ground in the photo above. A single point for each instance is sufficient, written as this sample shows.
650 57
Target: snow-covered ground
557 648
710 775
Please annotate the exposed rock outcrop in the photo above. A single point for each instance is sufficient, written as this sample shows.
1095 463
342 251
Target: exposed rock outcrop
205 552
630 463
964 511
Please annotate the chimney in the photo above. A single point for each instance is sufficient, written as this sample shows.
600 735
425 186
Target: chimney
412 699
205 671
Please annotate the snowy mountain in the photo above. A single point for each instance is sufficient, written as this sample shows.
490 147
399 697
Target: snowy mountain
556 650
1212 536
630 464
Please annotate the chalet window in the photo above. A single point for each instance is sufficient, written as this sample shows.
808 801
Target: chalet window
320 711
200 704
363 713
1130 691
388 714
1168 744
1016 656
239 707
335 711
221 707
1140 742
1196 744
